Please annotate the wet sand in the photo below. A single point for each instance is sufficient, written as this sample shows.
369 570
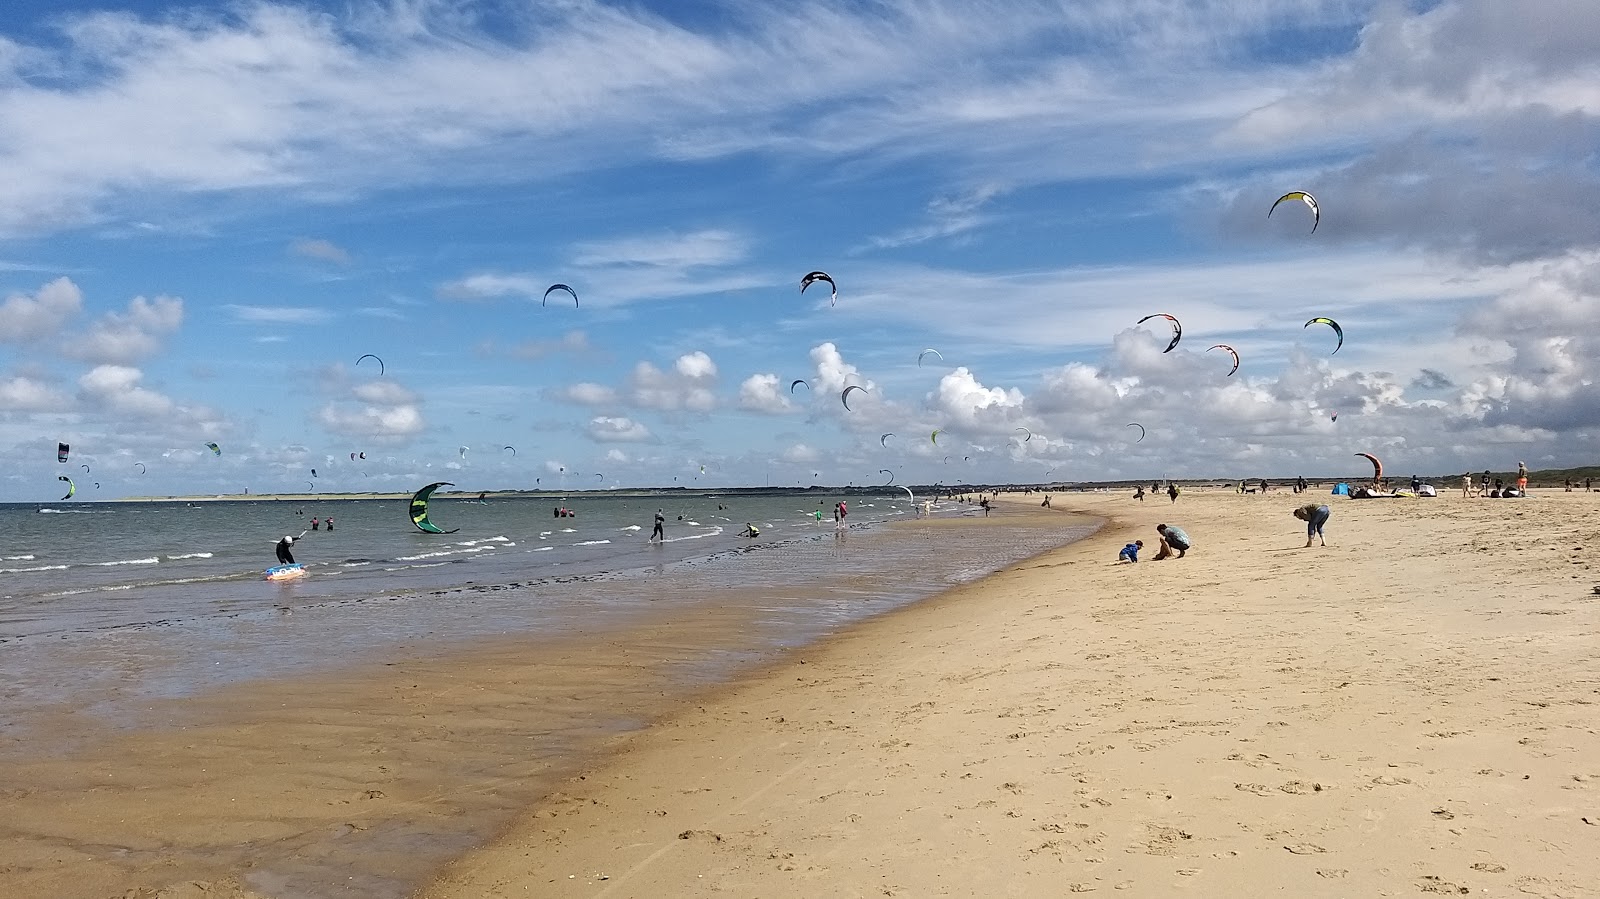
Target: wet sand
1411 710
361 781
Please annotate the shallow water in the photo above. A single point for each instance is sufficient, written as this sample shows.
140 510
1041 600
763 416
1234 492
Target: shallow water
111 649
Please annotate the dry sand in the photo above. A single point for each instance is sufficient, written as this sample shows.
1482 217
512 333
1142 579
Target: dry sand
1411 710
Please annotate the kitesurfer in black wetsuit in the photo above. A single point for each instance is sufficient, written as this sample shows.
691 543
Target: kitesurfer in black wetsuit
658 531
284 556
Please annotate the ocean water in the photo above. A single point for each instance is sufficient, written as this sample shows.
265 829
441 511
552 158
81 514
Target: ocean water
107 611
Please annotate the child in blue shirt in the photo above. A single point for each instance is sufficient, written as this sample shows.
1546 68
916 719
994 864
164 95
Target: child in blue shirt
1131 551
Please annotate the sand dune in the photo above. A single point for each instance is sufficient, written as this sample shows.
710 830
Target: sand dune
1410 711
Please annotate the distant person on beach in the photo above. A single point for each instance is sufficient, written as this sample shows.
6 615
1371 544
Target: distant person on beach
1046 502
750 531
285 557
1588 484
1522 476
1315 516
1130 553
984 503
1300 485
1173 540
1466 484
659 531
1416 484
1172 492
1483 486
1138 493
842 510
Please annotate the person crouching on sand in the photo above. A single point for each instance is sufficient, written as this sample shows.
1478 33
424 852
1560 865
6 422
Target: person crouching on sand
1130 553
1173 541
1315 517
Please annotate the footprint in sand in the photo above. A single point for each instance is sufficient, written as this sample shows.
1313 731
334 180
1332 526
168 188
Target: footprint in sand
1430 883
1489 867
1258 789
1305 849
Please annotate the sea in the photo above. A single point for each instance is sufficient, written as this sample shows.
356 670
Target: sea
109 610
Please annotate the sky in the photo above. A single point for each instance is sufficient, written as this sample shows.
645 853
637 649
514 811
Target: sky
210 212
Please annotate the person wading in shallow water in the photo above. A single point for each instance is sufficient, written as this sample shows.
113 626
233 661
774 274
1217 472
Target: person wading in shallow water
659 532
285 557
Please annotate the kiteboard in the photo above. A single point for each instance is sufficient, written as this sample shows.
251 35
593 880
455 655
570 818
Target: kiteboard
286 572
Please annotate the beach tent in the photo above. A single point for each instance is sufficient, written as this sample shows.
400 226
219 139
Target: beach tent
1427 490
1341 489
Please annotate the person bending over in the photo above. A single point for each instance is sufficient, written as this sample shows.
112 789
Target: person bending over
1315 516
1130 553
1173 541
285 557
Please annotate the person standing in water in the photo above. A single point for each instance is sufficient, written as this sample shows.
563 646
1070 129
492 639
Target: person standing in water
329 522
313 524
659 532
285 557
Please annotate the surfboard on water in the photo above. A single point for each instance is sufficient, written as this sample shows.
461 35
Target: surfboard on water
285 572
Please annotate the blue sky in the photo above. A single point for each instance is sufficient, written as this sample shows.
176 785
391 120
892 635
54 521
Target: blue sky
209 212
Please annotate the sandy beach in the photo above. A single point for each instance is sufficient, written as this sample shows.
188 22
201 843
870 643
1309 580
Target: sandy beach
1408 711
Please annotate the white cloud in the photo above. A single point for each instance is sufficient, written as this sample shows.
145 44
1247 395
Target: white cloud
800 453
279 315
690 386
320 250
25 318
763 393
491 286
608 429
380 409
127 337
116 388
587 394
22 394
695 366
575 343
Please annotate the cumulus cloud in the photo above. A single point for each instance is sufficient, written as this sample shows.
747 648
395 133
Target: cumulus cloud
1431 379
763 393
375 409
125 337
23 394
689 386
609 429
320 250
25 317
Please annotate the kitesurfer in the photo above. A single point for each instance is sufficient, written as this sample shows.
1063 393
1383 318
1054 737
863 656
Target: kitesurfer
1315 516
1173 540
1138 493
284 556
659 532
1172 492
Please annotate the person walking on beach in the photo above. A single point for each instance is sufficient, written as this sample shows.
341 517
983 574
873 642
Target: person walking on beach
1172 492
1466 485
1315 516
1138 493
285 557
1173 540
658 532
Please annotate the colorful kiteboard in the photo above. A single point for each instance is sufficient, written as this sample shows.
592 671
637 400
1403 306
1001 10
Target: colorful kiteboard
286 572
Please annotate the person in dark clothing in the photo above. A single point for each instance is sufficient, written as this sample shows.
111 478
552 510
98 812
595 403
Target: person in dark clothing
285 557
1172 492
659 531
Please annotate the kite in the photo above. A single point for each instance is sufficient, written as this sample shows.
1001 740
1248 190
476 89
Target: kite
1134 424
600 476
512 448
142 468
71 487
935 435
215 450
1028 432
1320 320
555 287
947 460
813 277
373 358
1309 200
312 485
313 472
909 495
889 473
463 451
1335 416
926 352
419 509
844 395
797 382
85 468
1232 352
1377 467
1177 329
884 440
62 450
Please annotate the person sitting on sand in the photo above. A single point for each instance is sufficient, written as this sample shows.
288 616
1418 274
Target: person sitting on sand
1130 553
1315 516
1173 540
